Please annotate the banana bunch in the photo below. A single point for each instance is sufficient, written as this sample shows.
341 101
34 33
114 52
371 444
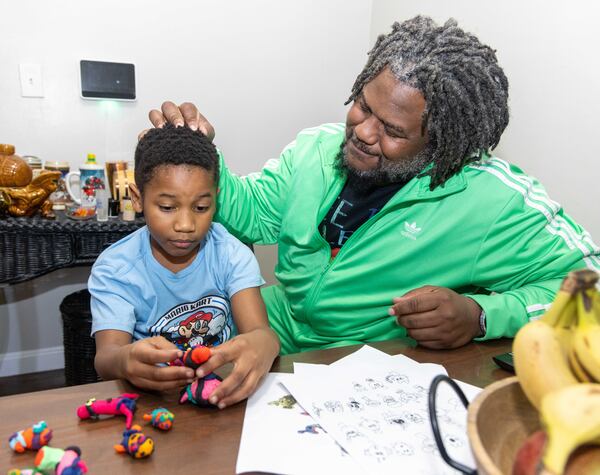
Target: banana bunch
557 361
562 347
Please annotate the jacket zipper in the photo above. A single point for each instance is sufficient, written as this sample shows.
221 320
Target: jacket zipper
310 299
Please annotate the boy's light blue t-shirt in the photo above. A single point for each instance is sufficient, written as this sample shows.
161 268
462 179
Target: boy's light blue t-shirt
132 292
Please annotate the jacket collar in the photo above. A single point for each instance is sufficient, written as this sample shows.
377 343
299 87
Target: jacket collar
417 189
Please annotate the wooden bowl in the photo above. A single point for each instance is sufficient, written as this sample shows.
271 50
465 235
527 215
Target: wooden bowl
498 422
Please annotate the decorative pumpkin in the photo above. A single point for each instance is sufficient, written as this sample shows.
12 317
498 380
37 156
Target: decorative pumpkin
14 171
19 195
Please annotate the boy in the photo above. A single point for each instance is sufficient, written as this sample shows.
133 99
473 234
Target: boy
179 281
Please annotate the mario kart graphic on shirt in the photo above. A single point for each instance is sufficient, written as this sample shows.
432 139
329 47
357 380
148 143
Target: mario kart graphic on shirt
206 321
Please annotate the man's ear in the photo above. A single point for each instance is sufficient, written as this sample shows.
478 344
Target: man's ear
136 198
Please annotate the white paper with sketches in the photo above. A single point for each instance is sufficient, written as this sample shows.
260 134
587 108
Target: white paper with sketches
280 437
375 406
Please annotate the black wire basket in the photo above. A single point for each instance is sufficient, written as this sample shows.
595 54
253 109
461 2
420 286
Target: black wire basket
80 347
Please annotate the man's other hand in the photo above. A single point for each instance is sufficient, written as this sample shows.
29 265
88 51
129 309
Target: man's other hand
437 317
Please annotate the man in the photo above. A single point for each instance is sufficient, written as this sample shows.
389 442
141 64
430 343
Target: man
401 222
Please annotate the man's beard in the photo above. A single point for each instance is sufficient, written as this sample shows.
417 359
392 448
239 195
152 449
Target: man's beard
387 171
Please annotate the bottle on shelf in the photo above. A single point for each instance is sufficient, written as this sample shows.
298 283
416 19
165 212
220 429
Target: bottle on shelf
101 204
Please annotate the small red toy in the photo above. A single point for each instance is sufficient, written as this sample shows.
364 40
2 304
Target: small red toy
124 404
193 357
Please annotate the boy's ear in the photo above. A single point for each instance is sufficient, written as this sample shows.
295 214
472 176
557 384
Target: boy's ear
136 198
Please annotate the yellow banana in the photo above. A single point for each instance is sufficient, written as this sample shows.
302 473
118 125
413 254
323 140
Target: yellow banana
540 348
571 418
565 324
564 333
540 362
586 339
576 367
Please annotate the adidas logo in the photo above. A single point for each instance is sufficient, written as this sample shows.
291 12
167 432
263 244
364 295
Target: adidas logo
411 230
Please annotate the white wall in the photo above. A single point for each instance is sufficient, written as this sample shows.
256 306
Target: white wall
549 51
260 70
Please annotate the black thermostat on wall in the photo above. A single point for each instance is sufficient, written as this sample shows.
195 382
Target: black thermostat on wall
104 80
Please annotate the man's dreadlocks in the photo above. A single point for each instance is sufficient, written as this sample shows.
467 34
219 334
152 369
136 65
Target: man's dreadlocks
465 89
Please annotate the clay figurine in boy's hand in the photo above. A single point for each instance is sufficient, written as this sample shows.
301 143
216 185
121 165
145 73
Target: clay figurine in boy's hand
143 363
199 391
252 354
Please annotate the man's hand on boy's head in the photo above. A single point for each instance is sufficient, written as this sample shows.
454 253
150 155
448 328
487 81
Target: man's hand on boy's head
140 360
252 355
186 113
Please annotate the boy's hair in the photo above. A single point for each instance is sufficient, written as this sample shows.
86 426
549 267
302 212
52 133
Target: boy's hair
174 146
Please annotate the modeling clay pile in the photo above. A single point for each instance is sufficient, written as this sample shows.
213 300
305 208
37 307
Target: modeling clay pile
134 442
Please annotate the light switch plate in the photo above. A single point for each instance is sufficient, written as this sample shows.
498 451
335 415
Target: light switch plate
31 80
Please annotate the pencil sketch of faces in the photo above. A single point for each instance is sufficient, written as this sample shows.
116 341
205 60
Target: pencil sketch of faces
406 397
379 453
354 405
334 406
394 377
455 403
414 417
394 419
371 402
443 415
350 432
316 409
374 384
453 440
402 448
390 400
428 445
370 424
358 387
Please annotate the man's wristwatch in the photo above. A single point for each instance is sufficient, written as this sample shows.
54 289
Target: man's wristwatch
482 324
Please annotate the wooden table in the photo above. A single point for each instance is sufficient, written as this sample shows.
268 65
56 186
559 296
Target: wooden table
202 440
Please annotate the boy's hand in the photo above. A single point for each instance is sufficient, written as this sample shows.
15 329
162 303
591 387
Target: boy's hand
252 355
437 317
139 364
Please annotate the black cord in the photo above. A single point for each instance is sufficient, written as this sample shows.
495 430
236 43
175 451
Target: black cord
435 425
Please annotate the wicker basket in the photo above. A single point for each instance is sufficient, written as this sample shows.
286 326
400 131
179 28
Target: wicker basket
80 347
31 247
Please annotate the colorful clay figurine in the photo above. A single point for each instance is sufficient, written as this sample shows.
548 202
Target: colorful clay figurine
124 404
135 443
200 390
24 471
32 438
160 418
193 357
59 461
